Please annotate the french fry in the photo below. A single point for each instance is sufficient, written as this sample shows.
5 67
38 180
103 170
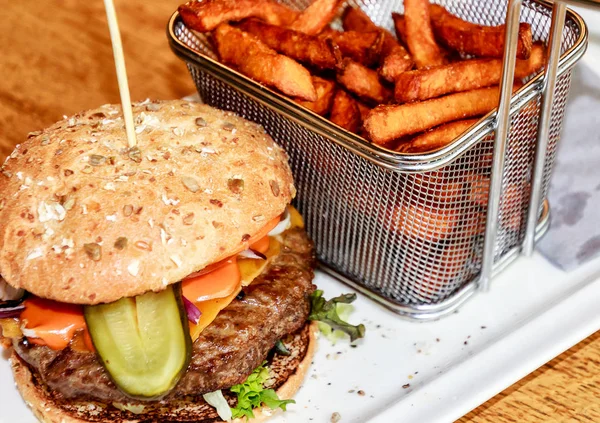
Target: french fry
472 224
481 41
511 206
395 58
316 17
256 60
437 138
325 91
354 19
425 222
533 64
394 63
386 123
362 47
363 109
345 111
478 188
204 16
363 82
297 45
400 27
438 187
467 75
419 35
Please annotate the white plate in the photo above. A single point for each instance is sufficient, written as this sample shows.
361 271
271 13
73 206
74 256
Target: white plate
532 313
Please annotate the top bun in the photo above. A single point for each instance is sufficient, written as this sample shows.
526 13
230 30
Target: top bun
86 220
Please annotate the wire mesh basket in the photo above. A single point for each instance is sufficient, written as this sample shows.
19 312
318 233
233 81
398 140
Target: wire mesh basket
407 230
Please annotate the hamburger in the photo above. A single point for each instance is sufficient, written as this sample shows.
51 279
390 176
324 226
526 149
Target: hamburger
171 281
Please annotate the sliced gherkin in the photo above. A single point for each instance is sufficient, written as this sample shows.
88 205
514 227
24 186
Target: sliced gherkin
143 342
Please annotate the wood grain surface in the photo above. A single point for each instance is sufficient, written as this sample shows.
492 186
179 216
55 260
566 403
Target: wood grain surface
567 389
57 60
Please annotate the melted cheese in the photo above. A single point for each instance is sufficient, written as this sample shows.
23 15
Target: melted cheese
251 268
10 328
296 219
209 310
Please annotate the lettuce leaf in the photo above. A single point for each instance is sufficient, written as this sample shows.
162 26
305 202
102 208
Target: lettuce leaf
252 394
326 311
344 311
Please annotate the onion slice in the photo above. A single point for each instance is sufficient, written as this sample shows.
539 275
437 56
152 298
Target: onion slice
217 400
252 254
6 312
283 225
29 333
193 312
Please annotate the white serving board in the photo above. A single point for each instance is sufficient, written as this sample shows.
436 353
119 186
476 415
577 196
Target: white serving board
532 314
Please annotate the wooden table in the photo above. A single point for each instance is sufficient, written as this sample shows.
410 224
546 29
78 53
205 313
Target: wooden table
57 60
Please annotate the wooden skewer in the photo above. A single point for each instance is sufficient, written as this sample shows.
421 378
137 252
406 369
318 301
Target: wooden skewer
117 45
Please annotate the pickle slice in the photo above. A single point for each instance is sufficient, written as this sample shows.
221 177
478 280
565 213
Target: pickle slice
143 342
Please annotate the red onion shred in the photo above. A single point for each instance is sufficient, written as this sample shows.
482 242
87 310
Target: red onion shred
7 312
193 312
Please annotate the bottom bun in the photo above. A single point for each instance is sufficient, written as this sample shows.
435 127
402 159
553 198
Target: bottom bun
49 408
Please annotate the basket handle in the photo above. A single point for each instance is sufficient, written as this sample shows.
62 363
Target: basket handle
502 125
559 11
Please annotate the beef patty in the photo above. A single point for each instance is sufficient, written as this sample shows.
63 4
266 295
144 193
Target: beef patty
276 304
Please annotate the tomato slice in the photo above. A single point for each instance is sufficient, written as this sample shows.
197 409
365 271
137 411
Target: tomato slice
259 242
54 323
264 231
219 283
262 245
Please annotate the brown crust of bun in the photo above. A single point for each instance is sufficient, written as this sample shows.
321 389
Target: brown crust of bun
181 208
48 411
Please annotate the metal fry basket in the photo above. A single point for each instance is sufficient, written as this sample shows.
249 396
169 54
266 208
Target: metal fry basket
417 233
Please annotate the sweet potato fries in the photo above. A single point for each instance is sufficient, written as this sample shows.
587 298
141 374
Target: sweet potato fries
253 58
482 41
414 92
297 45
386 123
206 15
419 35
460 76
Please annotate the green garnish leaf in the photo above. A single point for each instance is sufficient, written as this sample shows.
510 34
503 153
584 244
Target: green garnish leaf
344 312
326 311
252 394
281 349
